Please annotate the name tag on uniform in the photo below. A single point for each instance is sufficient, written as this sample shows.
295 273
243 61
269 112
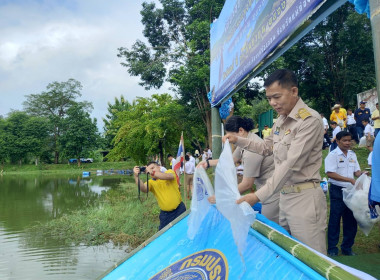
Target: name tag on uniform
277 132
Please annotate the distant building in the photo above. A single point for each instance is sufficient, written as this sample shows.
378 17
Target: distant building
370 96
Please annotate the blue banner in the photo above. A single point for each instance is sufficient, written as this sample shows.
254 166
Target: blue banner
246 33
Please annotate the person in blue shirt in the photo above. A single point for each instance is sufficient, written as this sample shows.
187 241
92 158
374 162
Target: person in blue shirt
360 114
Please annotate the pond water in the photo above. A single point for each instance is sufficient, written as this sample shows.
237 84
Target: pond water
27 200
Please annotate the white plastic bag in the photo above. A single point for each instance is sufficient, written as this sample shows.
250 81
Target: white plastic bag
356 198
241 216
199 203
363 142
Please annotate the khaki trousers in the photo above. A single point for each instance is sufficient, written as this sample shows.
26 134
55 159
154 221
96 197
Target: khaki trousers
271 210
304 215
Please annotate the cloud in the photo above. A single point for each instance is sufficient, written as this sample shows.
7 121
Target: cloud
46 41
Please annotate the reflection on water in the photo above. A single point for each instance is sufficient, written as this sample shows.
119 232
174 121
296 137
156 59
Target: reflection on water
24 201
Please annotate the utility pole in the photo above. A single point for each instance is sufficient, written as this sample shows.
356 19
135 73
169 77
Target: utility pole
216 130
375 24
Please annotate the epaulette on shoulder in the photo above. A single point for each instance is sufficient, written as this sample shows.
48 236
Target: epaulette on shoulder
303 113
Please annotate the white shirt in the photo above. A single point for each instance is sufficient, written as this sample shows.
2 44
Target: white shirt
336 130
369 159
336 161
351 119
209 153
204 156
325 123
173 162
189 167
192 159
369 130
240 170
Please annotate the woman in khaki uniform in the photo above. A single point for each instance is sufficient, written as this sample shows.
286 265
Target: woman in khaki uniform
257 168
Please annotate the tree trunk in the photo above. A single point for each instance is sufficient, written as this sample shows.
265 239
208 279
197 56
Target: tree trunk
36 161
56 157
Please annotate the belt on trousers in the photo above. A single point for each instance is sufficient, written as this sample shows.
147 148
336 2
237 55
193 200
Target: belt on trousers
297 188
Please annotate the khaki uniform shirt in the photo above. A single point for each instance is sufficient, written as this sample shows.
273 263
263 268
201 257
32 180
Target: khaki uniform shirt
255 166
296 143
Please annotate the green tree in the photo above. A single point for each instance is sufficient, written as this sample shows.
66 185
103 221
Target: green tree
54 104
334 61
23 135
81 133
148 128
3 147
177 51
110 125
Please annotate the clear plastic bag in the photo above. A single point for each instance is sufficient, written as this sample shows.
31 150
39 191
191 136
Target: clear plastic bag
199 204
241 216
363 142
356 198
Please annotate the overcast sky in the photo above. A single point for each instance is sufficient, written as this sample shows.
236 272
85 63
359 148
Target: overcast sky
42 41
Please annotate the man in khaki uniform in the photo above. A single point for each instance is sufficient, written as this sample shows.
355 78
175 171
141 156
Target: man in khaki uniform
295 142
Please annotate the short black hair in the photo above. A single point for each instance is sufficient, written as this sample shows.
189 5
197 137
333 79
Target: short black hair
233 124
284 77
332 123
365 120
169 155
152 162
342 134
187 158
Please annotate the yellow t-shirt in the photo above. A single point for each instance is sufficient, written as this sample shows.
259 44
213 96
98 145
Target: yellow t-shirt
266 132
339 118
376 123
166 192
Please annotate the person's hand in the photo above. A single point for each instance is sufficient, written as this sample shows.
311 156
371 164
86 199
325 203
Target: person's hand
212 199
202 164
251 198
231 138
353 181
136 171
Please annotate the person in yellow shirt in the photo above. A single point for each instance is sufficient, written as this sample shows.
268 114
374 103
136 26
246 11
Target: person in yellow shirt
266 131
376 119
164 187
339 116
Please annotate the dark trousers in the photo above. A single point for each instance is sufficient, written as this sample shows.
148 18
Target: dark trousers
338 211
377 131
360 131
333 146
352 129
168 216
327 141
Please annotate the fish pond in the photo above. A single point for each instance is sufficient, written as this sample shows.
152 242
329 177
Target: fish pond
27 201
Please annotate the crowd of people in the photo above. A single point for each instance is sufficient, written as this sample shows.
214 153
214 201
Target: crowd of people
282 169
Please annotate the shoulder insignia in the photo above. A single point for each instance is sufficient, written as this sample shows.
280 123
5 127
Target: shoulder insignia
303 113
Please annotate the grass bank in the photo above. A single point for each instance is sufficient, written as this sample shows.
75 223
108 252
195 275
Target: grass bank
119 216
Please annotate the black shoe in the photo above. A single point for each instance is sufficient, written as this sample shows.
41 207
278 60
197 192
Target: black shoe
333 254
